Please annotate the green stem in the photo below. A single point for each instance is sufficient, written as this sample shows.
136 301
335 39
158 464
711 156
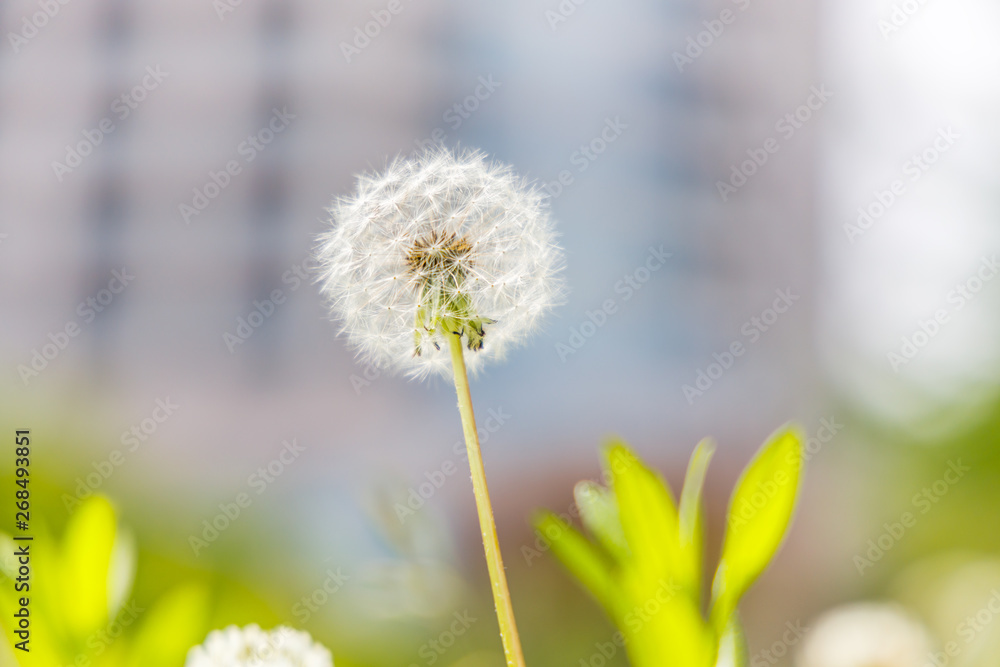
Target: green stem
501 594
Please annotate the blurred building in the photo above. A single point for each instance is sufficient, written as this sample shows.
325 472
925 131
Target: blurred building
195 147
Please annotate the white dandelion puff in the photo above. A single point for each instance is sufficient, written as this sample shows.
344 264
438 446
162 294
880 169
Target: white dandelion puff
440 244
253 647
866 635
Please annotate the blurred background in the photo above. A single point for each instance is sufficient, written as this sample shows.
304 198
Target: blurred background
821 175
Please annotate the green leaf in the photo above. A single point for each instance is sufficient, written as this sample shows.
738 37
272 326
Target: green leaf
8 561
692 531
49 601
86 559
648 515
760 511
580 557
599 514
733 648
177 622
664 627
121 570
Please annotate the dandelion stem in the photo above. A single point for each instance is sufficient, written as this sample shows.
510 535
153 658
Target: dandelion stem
501 594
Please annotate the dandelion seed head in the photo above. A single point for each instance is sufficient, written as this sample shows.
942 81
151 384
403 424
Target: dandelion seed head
866 635
253 647
440 244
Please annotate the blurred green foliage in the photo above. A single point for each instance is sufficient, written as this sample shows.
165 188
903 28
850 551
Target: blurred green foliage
81 610
644 565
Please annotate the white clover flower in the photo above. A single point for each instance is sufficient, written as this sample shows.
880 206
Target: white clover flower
436 245
253 647
866 635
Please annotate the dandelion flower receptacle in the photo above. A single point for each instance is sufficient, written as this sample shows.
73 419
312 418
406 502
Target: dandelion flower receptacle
441 263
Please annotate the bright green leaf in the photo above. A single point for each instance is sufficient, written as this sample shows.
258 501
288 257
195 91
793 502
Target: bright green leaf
648 514
599 514
692 530
580 557
177 622
48 595
8 561
733 648
46 602
760 511
121 570
86 559
666 628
